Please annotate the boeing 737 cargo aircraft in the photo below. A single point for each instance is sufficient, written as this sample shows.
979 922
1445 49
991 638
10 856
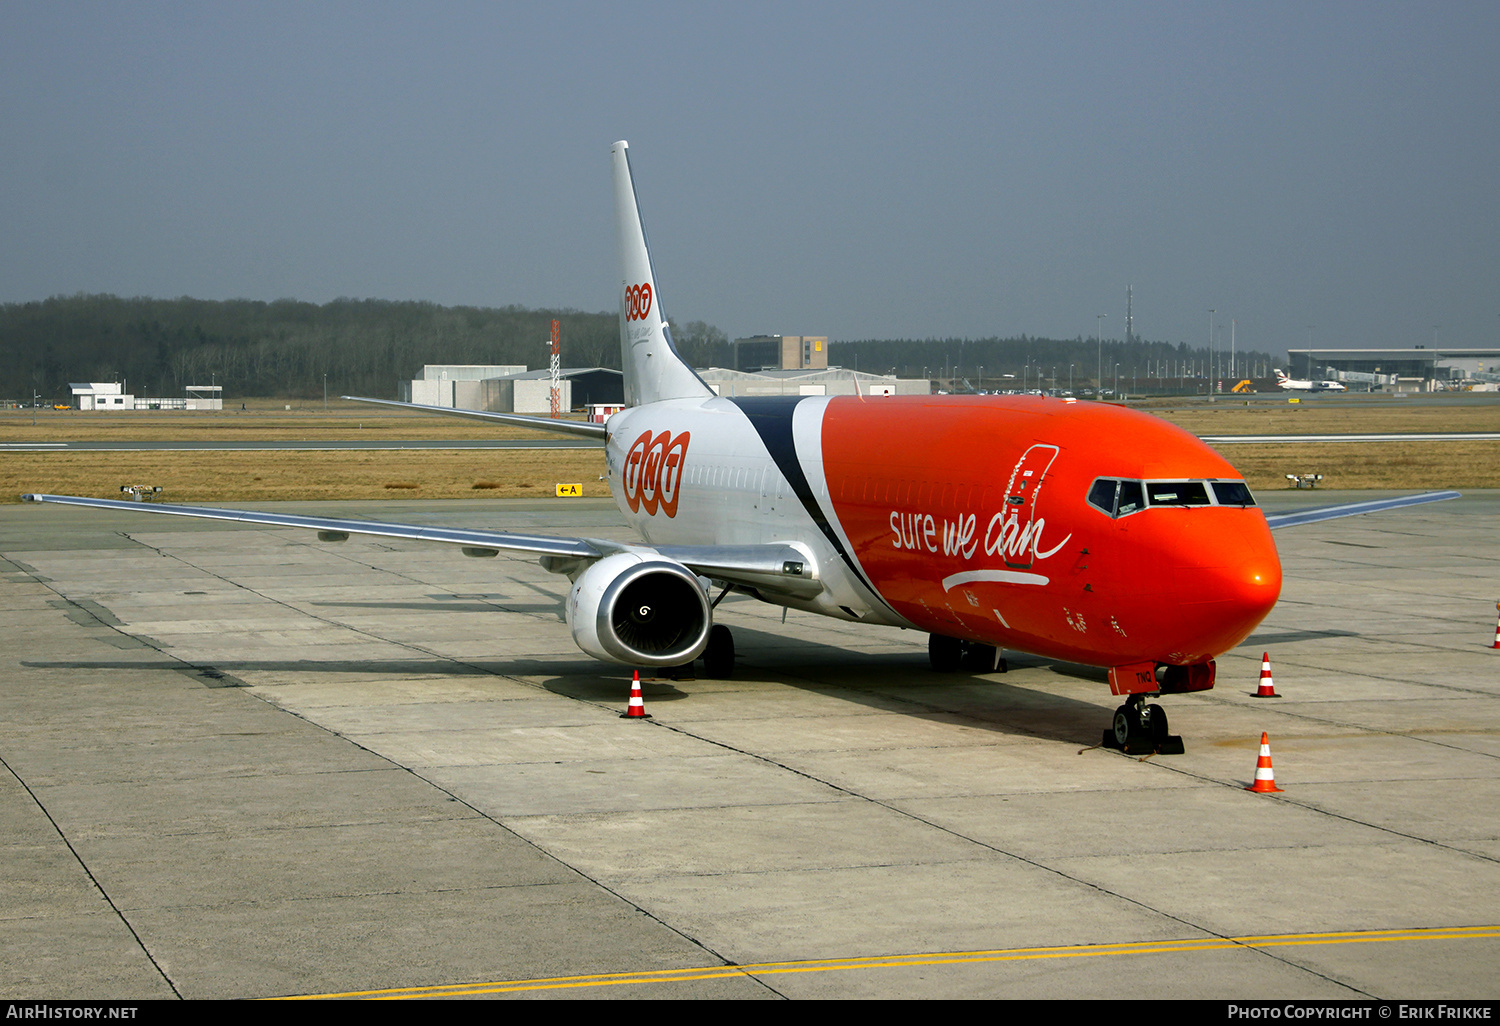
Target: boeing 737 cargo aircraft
1073 530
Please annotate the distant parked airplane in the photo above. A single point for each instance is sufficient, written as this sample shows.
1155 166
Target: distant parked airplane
1293 385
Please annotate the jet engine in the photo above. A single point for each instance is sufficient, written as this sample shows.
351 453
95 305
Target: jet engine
639 609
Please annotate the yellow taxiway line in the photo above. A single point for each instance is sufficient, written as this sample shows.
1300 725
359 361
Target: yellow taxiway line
719 972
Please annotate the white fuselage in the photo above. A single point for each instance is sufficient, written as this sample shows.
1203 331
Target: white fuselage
730 490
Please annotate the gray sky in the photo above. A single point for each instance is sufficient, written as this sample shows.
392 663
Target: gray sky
855 170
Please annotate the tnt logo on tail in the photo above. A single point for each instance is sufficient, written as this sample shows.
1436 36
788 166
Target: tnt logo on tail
638 302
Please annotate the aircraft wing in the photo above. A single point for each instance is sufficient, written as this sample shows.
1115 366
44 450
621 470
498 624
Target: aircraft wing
331 529
567 427
775 567
1352 509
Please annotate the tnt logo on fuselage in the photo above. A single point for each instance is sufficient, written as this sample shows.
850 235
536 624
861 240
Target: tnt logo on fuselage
652 476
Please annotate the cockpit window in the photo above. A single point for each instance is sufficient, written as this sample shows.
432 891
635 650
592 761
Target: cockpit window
1233 493
1115 497
1102 495
1119 498
1178 493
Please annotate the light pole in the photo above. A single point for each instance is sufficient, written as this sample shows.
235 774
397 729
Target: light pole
1099 337
1212 352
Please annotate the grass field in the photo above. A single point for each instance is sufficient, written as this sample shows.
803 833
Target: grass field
435 474
1321 417
265 420
251 476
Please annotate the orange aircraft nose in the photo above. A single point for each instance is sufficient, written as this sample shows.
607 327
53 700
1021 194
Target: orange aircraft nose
1226 578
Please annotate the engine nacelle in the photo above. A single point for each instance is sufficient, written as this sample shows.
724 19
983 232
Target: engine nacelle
639 610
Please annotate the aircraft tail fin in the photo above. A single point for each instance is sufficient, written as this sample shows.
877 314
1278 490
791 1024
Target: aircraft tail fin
653 370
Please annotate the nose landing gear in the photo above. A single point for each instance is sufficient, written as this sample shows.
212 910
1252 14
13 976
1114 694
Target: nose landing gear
1141 729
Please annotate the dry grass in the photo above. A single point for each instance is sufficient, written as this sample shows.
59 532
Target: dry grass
1370 464
260 476
438 474
1312 417
510 473
266 420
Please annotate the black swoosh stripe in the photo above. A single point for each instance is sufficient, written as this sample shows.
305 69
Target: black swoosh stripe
771 416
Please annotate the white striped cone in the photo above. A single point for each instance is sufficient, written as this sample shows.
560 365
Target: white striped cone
1265 778
1267 687
636 709
1497 626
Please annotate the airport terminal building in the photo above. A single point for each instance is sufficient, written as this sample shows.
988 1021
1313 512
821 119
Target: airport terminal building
1419 369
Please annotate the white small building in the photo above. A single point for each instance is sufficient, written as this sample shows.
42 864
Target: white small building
111 395
101 395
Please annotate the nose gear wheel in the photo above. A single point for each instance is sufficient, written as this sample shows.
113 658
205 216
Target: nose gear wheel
1141 729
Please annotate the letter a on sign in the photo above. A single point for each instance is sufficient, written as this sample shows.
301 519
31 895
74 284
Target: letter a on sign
569 491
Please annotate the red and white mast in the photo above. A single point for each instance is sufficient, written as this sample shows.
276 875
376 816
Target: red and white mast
556 368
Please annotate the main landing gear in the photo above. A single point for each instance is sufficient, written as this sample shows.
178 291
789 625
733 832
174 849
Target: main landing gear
718 657
948 655
1141 729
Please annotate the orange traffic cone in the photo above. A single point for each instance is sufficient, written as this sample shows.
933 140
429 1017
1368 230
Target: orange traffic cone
636 710
1497 626
1265 778
1267 687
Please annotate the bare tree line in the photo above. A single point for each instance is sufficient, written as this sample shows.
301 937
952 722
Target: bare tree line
284 348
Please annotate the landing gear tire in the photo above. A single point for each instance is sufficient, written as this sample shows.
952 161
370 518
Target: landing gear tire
1155 722
1141 729
718 657
1127 726
944 653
